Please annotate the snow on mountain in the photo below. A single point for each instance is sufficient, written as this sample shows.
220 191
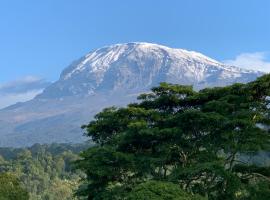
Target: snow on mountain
111 75
135 67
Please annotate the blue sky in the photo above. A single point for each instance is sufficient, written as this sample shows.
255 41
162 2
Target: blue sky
40 38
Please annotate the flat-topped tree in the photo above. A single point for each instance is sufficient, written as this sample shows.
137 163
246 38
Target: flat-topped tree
175 134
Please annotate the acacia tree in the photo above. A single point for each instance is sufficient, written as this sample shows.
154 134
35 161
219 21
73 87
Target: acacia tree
192 139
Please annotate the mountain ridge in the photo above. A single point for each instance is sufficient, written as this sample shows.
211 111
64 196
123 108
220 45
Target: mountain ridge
108 76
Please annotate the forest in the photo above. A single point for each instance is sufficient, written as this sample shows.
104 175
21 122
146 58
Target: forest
40 172
175 143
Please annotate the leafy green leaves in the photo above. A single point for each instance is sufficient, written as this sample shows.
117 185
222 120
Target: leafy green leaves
11 189
175 134
157 190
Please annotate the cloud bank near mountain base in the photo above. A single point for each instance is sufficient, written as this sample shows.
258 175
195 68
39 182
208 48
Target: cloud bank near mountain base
21 90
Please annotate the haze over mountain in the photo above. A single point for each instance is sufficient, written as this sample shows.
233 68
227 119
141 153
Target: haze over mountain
112 75
22 89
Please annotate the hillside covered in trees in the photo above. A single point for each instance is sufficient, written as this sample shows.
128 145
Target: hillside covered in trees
41 172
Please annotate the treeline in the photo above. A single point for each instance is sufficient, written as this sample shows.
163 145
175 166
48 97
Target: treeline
42 172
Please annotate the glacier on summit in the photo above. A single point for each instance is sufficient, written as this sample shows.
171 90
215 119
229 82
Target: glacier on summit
136 67
112 75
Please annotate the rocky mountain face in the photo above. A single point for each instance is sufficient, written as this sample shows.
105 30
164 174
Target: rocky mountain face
112 75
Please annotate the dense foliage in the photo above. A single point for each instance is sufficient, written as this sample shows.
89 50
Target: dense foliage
197 142
11 189
160 190
42 172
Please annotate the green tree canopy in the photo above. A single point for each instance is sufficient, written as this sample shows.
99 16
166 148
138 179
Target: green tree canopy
195 140
44 171
10 188
157 190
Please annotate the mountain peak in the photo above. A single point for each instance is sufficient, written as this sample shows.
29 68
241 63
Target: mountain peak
100 59
138 66
177 51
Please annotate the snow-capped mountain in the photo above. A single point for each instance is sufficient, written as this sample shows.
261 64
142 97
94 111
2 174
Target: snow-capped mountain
135 67
112 75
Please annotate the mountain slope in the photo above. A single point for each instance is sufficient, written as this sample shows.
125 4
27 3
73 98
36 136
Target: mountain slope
112 75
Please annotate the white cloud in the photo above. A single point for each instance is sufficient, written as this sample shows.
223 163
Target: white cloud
256 61
21 90
10 99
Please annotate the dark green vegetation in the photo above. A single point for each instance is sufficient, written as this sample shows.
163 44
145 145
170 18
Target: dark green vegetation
177 143
10 188
174 144
39 172
160 190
